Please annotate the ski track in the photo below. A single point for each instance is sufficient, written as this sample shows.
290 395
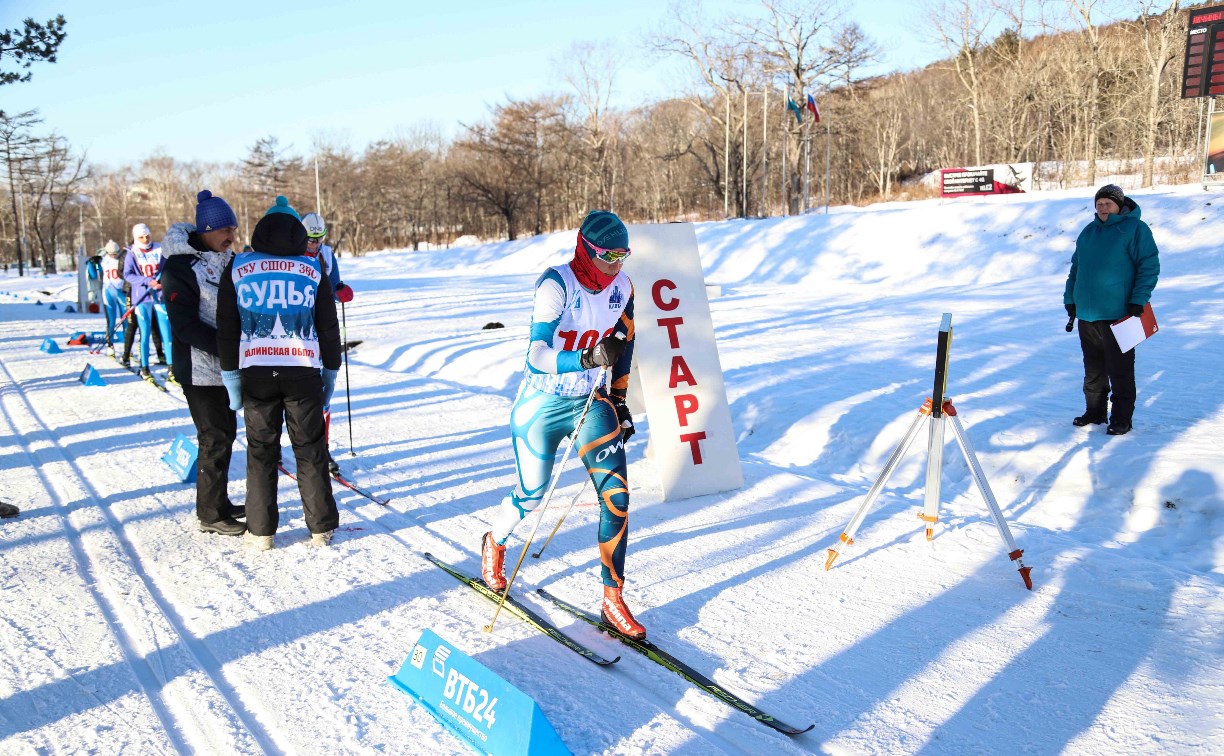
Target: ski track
103 574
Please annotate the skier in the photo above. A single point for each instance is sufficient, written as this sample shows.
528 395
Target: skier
143 271
113 295
1113 272
316 230
581 324
93 275
195 257
276 327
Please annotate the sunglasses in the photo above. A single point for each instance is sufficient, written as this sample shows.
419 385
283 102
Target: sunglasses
610 256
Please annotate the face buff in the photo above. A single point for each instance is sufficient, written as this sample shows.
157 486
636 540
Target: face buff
588 275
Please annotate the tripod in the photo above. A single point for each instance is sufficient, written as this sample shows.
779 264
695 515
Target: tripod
935 445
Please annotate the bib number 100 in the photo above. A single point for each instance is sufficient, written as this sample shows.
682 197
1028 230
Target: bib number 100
473 699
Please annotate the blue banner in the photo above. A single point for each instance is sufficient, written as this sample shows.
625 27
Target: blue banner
181 457
474 703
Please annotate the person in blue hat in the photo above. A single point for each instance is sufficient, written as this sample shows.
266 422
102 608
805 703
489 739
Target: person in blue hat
581 327
279 342
196 256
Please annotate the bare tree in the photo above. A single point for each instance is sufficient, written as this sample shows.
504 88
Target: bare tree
1159 33
18 147
961 26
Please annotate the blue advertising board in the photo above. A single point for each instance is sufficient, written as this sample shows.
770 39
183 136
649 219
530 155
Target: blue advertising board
181 457
473 702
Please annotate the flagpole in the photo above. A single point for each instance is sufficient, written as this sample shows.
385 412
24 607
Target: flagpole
785 178
807 164
765 152
828 160
727 154
744 160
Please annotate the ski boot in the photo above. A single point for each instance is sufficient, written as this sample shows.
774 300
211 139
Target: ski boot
146 374
110 350
170 377
493 563
615 614
333 466
318 540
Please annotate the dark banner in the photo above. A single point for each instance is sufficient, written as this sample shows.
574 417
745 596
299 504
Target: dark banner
961 182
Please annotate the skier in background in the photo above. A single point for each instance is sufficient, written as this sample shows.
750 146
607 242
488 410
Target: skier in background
581 323
316 230
143 271
1113 271
195 258
276 327
93 275
113 295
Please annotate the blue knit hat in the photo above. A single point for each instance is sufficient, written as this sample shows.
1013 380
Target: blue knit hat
213 213
282 206
604 229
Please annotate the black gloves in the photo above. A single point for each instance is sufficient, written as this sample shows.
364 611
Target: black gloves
1134 309
1070 310
623 418
604 354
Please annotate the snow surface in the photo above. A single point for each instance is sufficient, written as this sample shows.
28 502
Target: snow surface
125 630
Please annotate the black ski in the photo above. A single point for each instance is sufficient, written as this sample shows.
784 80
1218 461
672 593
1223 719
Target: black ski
344 482
661 657
522 612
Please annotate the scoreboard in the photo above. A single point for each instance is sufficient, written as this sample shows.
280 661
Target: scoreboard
1203 75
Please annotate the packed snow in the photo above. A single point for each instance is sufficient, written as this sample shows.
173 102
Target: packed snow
126 630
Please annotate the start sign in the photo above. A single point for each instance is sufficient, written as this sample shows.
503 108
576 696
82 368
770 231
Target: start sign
676 360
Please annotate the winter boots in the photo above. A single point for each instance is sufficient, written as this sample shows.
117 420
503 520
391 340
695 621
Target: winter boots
333 466
617 615
493 563
229 526
259 543
321 539
1095 413
1120 418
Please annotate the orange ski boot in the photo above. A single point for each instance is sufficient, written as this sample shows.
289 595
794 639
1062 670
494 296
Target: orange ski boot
493 563
617 615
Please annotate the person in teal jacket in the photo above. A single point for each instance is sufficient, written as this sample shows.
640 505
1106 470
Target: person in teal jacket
1113 271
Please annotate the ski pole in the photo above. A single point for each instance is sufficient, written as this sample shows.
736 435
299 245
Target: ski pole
557 527
348 398
547 498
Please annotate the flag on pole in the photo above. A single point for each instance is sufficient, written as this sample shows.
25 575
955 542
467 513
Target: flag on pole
811 105
791 106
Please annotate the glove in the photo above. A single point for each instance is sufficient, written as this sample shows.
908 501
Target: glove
1134 309
624 418
344 292
233 384
329 385
1070 310
604 354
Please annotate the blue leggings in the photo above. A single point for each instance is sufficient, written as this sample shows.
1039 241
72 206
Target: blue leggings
539 424
112 304
145 311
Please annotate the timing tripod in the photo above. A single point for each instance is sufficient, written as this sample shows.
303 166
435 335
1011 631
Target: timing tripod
934 411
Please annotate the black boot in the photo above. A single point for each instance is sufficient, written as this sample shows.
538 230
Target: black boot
1095 413
1120 419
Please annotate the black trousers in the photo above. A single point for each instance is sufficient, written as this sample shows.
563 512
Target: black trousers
1107 368
216 427
297 402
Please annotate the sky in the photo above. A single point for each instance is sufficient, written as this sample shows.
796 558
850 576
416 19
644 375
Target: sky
203 81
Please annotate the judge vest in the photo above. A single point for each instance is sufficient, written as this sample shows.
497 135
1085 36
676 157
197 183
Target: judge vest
276 308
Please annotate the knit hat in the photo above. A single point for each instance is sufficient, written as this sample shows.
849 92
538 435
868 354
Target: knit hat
1111 192
279 233
604 229
213 213
112 248
140 229
282 206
